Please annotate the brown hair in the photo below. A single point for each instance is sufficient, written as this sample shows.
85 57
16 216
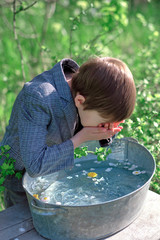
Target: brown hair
108 86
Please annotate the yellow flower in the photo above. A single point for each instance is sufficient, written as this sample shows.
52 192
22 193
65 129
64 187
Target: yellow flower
136 172
92 174
45 199
36 196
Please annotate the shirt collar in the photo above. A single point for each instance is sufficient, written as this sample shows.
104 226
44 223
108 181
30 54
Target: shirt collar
60 80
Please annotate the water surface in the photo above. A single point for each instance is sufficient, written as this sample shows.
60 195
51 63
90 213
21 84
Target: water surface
74 188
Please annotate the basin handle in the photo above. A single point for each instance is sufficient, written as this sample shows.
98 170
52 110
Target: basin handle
46 211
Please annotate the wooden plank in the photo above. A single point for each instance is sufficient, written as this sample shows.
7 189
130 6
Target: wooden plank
16 230
30 235
147 225
15 221
14 215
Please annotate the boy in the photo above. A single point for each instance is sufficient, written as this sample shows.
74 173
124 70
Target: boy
43 132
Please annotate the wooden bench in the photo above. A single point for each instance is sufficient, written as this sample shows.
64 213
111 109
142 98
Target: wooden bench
16 223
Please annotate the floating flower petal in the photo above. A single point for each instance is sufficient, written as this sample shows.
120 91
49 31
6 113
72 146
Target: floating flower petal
108 169
132 167
45 199
113 164
36 196
136 172
92 174
98 162
84 172
78 165
69 177
92 197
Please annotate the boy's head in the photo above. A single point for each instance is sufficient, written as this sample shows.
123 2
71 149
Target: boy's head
104 86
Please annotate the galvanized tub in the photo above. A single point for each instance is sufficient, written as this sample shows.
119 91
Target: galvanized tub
98 221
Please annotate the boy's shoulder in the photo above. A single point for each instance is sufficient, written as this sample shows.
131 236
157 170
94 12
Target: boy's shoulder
41 86
51 84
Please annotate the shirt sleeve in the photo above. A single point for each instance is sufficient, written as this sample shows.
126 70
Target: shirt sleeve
38 158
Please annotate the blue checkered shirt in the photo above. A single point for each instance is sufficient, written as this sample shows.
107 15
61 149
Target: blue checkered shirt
42 121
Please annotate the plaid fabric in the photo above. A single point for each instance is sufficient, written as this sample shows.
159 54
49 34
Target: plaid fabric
43 120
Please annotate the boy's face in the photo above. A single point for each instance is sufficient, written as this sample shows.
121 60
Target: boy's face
89 118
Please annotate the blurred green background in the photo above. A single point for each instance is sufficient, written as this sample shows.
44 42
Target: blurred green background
34 35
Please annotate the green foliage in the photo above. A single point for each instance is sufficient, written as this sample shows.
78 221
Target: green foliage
101 152
7 168
144 124
80 152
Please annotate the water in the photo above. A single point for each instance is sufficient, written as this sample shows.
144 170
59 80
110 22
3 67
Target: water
74 188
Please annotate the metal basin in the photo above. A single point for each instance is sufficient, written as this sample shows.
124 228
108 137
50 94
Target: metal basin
94 221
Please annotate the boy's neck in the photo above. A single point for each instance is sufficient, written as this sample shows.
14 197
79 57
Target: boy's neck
68 77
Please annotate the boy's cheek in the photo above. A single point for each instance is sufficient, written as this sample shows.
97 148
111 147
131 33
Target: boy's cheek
88 124
91 123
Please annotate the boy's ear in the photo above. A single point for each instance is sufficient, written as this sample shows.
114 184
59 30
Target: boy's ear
79 100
